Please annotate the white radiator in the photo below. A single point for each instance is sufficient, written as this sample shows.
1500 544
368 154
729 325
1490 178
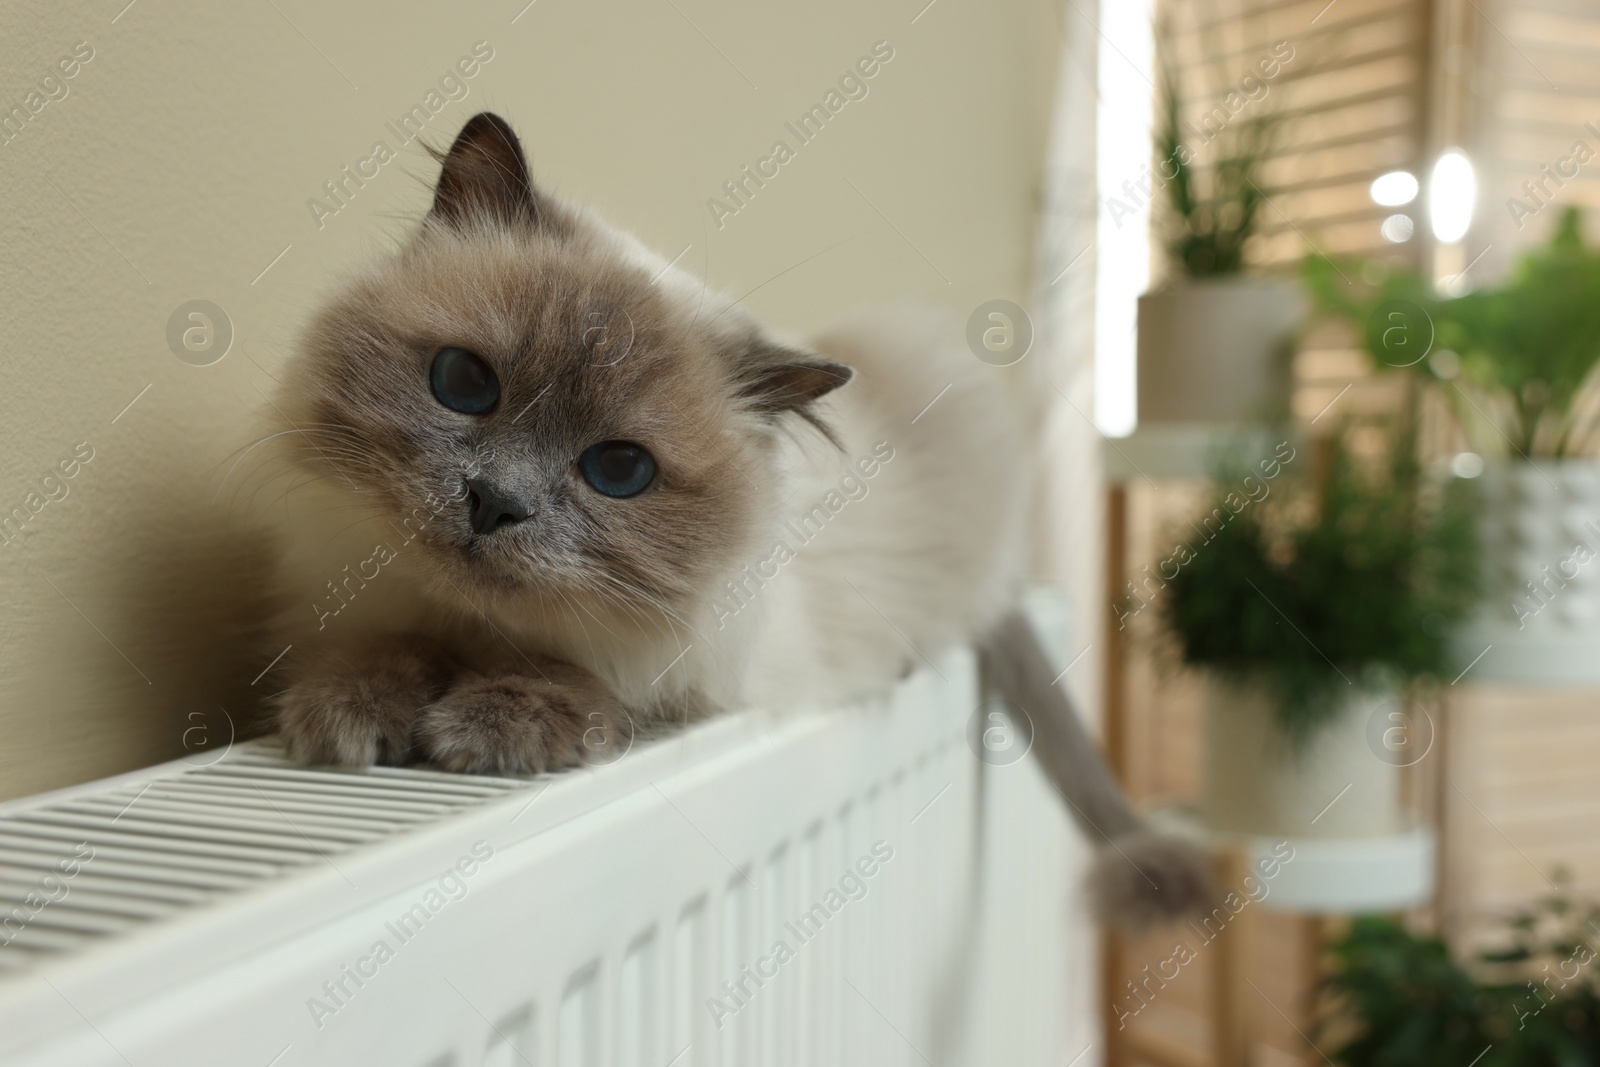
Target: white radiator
849 887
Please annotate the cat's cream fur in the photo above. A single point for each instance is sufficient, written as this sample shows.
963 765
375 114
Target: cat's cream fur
941 505
803 544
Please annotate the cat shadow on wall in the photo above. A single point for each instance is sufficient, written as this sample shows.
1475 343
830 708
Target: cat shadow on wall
197 603
141 651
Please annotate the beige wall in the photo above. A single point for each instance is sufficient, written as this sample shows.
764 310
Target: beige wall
179 165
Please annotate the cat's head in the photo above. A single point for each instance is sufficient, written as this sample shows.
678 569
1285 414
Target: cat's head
545 406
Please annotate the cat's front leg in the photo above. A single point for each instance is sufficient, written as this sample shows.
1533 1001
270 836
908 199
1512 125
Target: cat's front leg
522 718
356 703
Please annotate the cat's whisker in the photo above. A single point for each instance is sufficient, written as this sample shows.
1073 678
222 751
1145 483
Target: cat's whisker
597 620
656 613
265 482
658 607
360 520
631 612
584 629
624 605
247 449
259 472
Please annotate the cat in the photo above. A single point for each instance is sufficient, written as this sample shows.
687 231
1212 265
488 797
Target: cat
551 494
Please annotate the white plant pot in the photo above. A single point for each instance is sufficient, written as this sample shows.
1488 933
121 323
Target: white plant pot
1217 349
1540 616
1335 784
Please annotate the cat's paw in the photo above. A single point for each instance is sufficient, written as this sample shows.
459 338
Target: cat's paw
357 705
519 724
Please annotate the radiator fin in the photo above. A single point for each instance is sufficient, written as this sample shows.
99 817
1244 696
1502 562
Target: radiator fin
93 865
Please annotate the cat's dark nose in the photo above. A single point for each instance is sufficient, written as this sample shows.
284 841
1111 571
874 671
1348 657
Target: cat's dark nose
493 506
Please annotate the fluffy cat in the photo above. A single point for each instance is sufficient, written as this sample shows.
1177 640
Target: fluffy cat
550 492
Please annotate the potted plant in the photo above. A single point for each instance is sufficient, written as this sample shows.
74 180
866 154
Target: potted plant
1310 599
1214 341
1517 364
1397 999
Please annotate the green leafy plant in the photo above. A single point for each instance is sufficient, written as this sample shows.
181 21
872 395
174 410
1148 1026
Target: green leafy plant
1211 212
1521 372
1350 578
1398 999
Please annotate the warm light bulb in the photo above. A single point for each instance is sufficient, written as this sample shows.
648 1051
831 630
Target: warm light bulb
1452 192
1395 188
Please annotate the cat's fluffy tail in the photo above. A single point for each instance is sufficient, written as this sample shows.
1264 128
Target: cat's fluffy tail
1140 877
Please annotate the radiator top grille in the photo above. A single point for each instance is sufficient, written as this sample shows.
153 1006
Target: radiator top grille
96 864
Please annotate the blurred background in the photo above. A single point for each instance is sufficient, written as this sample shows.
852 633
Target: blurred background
1366 251
1308 318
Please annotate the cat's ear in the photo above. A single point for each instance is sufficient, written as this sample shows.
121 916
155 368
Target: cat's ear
485 176
774 379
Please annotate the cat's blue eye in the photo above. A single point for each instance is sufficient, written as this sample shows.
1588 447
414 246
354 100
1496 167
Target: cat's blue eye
617 468
463 382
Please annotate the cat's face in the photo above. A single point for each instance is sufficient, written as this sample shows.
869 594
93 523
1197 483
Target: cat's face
516 391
